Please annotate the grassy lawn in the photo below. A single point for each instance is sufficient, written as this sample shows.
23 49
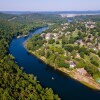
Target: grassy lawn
56 45
75 33
96 57
87 58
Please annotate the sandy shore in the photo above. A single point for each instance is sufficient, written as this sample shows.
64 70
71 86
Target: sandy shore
88 81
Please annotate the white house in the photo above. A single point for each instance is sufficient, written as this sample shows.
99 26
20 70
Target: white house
90 24
48 36
55 34
71 64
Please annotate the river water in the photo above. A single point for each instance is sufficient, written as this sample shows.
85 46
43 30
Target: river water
64 86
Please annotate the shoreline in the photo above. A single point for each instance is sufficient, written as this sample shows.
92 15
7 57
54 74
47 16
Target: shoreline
74 15
87 81
82 79
20 36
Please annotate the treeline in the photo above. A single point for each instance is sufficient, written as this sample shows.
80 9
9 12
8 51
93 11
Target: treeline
6 16
14 83
36 17
94 18
25 22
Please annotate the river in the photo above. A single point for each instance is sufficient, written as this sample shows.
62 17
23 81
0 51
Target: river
64 86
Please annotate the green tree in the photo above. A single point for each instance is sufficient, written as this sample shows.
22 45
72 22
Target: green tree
51 41
82 54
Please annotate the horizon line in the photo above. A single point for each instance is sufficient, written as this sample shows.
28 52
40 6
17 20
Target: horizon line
47 11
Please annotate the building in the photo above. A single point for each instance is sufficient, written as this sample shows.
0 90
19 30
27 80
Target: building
48 36
77 55
99 69
80 42
90 24
67 33
43 35
55 34
71 64
81 71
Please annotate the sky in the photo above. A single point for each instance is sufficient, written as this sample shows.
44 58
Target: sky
49 5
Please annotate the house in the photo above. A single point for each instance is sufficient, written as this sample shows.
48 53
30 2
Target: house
67 33
80 42
55 38
90 24
66 24
91 38
55 34
95 49
48 36
99 69
43 35
71 64
77 55
81 71
62 33
89 44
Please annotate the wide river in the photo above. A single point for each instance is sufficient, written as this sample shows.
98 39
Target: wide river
66 87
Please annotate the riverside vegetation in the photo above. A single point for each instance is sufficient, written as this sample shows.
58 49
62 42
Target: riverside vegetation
14 82
73 48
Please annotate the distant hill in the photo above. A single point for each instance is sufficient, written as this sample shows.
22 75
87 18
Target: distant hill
25 17
16 12
51 12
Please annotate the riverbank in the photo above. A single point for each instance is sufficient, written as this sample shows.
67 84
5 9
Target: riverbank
88 81
34 29
63 85
85 80
22 36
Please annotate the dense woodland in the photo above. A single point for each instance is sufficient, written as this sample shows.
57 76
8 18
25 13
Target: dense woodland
14 83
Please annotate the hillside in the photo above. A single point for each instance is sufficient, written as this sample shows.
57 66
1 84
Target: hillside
14 82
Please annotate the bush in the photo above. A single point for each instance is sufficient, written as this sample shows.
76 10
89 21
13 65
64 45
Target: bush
69 48
63 64
94 63
51 41
82 54
57 42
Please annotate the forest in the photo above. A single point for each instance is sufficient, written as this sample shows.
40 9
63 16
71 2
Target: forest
15 84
